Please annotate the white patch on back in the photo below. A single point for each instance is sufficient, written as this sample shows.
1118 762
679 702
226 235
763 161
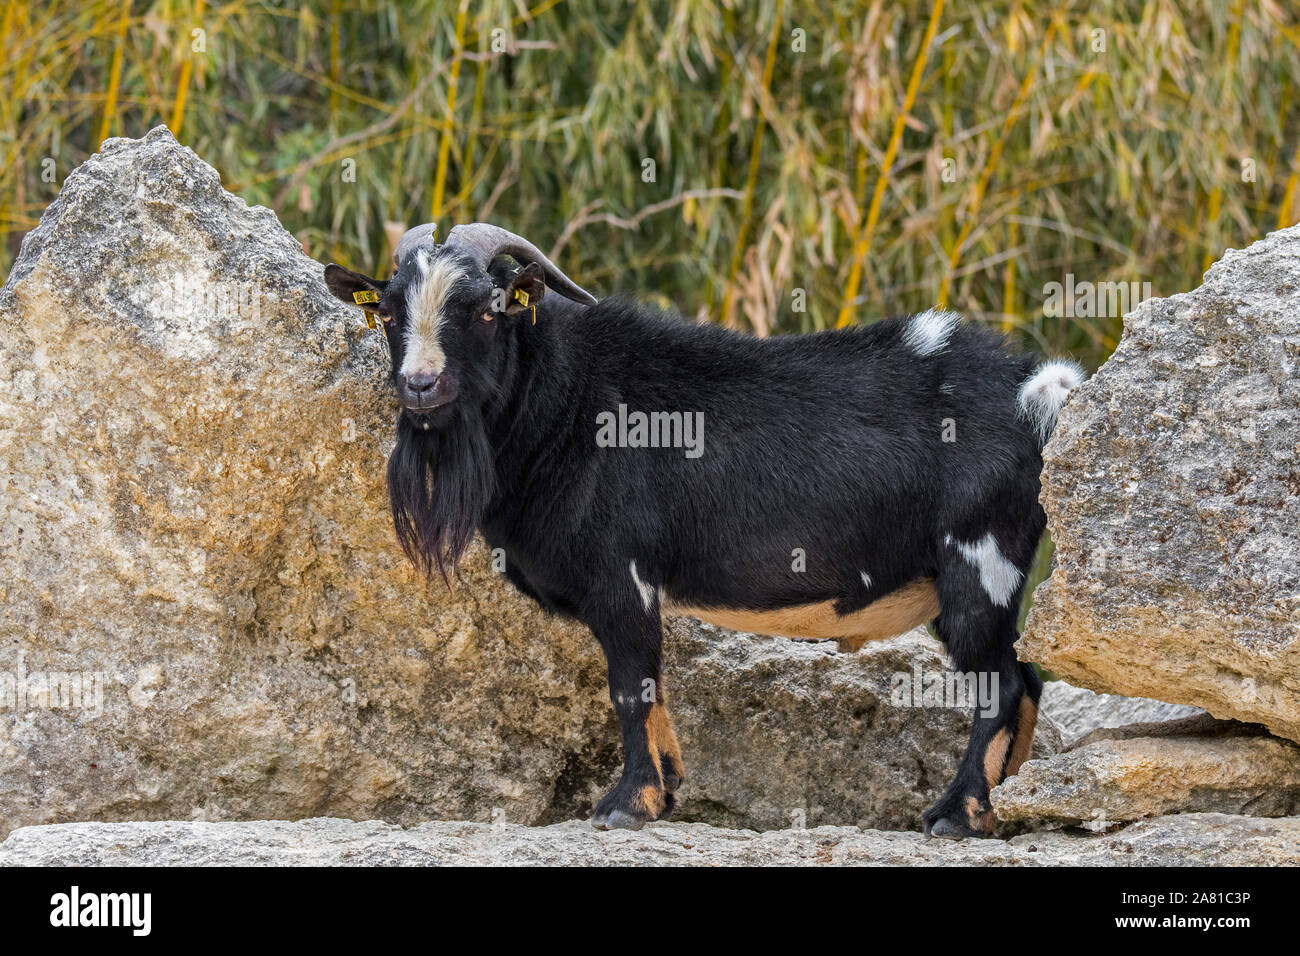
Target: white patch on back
425 300
928 332
1044 392
647 591
866 578
999 576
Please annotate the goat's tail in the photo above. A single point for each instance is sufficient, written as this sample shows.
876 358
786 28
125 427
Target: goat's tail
1044 392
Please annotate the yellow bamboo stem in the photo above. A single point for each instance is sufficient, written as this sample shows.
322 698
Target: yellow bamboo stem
755 153
336 13
114 76
183 81
1234 31
5 32
1284 216
862 242
471 139
1009 311
995 154
444 145
1211 228
1216 194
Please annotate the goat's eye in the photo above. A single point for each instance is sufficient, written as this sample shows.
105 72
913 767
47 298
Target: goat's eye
487 316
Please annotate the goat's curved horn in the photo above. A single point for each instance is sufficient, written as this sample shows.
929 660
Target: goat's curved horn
412 238
485 242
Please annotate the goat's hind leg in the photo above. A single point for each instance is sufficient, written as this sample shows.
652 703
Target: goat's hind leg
980 635
632 638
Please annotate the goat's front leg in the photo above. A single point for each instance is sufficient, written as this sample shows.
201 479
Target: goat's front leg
632 637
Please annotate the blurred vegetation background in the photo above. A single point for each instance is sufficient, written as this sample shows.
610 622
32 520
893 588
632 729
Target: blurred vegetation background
779 166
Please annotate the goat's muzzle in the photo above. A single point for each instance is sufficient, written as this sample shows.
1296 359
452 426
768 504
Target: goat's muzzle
424 393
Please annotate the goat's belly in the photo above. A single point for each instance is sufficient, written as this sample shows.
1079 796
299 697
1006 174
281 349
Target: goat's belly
896 612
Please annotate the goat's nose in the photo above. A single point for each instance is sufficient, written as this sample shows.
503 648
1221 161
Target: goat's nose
421 382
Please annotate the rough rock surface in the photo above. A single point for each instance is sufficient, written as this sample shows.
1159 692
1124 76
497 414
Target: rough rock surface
776 732
1187 840
1078 711
1173 496
1195 765
194 534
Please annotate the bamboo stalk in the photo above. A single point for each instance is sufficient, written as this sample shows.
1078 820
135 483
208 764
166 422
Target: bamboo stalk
862 242
183 81
1216 194
972 214
444 145
1211 231
755 153
471 137
336 13
1284 215
114 77
1009 311
10 106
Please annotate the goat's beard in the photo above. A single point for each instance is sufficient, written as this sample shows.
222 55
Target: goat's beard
440 482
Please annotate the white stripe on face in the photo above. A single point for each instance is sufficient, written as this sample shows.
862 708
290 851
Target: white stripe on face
425 300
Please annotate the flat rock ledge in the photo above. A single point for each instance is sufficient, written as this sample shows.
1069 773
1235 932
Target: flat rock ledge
1194 839
1114 777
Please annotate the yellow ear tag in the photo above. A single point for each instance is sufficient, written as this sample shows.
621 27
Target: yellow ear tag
365 295
370 321
521 297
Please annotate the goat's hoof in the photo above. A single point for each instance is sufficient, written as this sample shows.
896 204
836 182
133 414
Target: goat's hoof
946 828
954 818
618 820
629 807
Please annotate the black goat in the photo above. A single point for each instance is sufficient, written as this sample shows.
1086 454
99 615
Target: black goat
852 484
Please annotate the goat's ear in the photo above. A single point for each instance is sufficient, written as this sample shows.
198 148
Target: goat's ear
354 288
526 289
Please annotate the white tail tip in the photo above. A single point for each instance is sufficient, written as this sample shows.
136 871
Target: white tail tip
1044 392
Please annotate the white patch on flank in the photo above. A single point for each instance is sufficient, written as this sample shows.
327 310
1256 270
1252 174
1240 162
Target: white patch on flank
424 304
998 575
1044 392
928 332
866 578
647 592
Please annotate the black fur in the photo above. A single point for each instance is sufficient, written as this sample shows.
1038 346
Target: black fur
831 443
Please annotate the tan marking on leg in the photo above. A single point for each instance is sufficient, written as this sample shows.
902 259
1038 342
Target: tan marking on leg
666 742
651 726
896 613
983 821
650 801
1024 735
995 757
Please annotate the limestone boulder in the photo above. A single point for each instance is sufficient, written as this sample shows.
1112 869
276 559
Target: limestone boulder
1172 491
